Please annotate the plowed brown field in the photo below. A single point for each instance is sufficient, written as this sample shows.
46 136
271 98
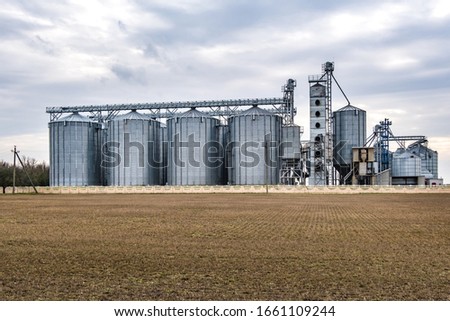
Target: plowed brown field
225 247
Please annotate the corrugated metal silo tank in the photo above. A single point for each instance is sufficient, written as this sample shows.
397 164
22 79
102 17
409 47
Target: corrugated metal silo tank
132 155
195 156
74 151
290 142
406 164
349 130
163 150
255 136
223 140
429 159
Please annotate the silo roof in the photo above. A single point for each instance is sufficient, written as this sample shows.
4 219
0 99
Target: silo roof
75 117
402 153
350 107
131 115
255 111
193 113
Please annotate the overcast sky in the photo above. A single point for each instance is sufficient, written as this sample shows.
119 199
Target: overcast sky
391 58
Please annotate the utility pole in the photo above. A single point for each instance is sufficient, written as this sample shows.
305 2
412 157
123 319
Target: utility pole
29 178
14 169
16 155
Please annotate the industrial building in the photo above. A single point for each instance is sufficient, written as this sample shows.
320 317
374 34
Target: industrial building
342 154
235 142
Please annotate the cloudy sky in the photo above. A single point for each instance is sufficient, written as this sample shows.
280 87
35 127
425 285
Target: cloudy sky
391 58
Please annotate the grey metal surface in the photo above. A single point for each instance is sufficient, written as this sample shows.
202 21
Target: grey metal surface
135 142
288 90
163 150
429 159
102 139
193 156
74 151
291 172
318 134
349 130
223 132
405 164
290 142
321 163
249 131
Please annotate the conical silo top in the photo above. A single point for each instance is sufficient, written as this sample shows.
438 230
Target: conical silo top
75 117
349 108
132 115
255 111
193 113
402 153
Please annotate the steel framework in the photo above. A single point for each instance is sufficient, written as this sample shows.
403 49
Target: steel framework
380 139
325 173
222 108
292 172
323 149
328 69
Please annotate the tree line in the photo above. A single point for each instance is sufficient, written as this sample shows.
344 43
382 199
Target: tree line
38 172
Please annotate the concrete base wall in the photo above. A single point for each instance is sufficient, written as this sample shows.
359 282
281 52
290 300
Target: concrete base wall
260 189
383 178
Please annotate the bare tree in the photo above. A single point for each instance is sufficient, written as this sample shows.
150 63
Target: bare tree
38 172
6 173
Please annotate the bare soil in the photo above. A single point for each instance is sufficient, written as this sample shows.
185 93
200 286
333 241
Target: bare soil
225 247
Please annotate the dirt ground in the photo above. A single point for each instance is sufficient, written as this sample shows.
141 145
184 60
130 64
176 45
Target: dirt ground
225 247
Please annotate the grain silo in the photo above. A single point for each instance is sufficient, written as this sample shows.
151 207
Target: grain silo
254 141
223 141
406 168
349 129
290 142
74 151
193 154
163 155
429 159
133 143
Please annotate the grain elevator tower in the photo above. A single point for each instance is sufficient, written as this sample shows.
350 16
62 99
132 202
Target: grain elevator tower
321 159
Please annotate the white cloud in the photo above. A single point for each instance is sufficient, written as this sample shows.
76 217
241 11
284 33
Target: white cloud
374 22
439 9
189 6
442 145
29 145
397 61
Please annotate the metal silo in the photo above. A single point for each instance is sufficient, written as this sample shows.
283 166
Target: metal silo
74 151
132 150
223 141
254 141
406 164
194 156
290 142
429 159
349 126
163 150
